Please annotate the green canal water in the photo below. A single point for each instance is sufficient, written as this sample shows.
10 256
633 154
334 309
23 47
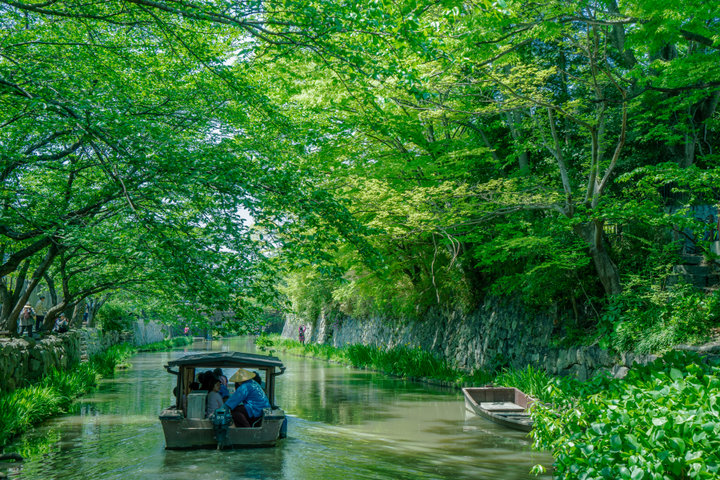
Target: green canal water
344 424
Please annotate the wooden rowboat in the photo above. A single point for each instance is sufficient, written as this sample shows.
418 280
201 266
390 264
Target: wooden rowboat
185 425
504 406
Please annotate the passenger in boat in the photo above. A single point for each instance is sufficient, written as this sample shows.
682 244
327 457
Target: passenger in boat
248 400
224 392
214 399
207 380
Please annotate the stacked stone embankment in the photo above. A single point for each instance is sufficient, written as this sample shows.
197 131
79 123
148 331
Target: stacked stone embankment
495 335
24 361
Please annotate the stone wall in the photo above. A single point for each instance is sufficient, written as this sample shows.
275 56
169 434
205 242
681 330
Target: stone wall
24 361
148 332
497 334
96 341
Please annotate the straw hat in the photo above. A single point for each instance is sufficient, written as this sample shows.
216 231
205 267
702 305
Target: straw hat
242 375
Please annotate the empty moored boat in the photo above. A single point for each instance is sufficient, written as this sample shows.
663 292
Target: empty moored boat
184 423
502 405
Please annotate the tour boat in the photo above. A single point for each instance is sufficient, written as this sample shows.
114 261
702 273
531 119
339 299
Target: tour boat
184 423
504 406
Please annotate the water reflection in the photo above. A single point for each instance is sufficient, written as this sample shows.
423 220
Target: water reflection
344 424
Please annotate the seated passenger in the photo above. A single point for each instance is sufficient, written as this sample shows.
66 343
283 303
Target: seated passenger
214 399
248 400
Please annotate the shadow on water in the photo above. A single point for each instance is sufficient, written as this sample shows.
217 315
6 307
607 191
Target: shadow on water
343 424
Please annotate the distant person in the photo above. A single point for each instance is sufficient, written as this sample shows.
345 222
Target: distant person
214 399
248 400
27 320
301 333
39 312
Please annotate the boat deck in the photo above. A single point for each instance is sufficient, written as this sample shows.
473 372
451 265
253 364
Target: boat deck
505 406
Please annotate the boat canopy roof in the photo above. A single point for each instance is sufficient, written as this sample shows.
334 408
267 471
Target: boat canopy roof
226 359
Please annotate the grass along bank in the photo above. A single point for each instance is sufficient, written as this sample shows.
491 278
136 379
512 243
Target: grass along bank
25 407
401 361
167 344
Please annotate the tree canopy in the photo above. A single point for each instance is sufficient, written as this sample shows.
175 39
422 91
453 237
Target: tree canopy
394 156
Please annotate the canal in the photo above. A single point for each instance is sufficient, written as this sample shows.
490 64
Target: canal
344 424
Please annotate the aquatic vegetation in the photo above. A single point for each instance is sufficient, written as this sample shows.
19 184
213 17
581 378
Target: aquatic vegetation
660 422
28 406
167 344
106 362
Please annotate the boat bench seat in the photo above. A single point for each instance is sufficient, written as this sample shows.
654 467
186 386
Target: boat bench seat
501 407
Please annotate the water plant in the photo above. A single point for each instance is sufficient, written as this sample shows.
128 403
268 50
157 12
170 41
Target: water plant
167 344
106 362
661 422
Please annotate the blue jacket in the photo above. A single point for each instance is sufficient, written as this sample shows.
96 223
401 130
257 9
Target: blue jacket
252 396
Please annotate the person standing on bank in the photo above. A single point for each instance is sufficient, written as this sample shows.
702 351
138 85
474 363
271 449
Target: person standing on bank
39 313
248 400
27 319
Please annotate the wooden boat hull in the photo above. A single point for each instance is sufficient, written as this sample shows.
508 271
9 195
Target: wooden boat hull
185 433
504 406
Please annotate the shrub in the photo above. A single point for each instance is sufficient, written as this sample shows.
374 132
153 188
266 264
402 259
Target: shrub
649 319
115 317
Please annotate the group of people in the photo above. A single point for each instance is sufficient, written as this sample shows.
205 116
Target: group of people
34 317
246 403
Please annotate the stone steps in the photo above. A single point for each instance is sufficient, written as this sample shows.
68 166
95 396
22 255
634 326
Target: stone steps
696 272
84 357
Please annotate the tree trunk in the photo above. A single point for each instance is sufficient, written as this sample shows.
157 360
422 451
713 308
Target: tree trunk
514 121
34 280
77 316
51 289
94 308
52 314
606 269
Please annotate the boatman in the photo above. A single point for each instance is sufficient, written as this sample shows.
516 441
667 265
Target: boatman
248 400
